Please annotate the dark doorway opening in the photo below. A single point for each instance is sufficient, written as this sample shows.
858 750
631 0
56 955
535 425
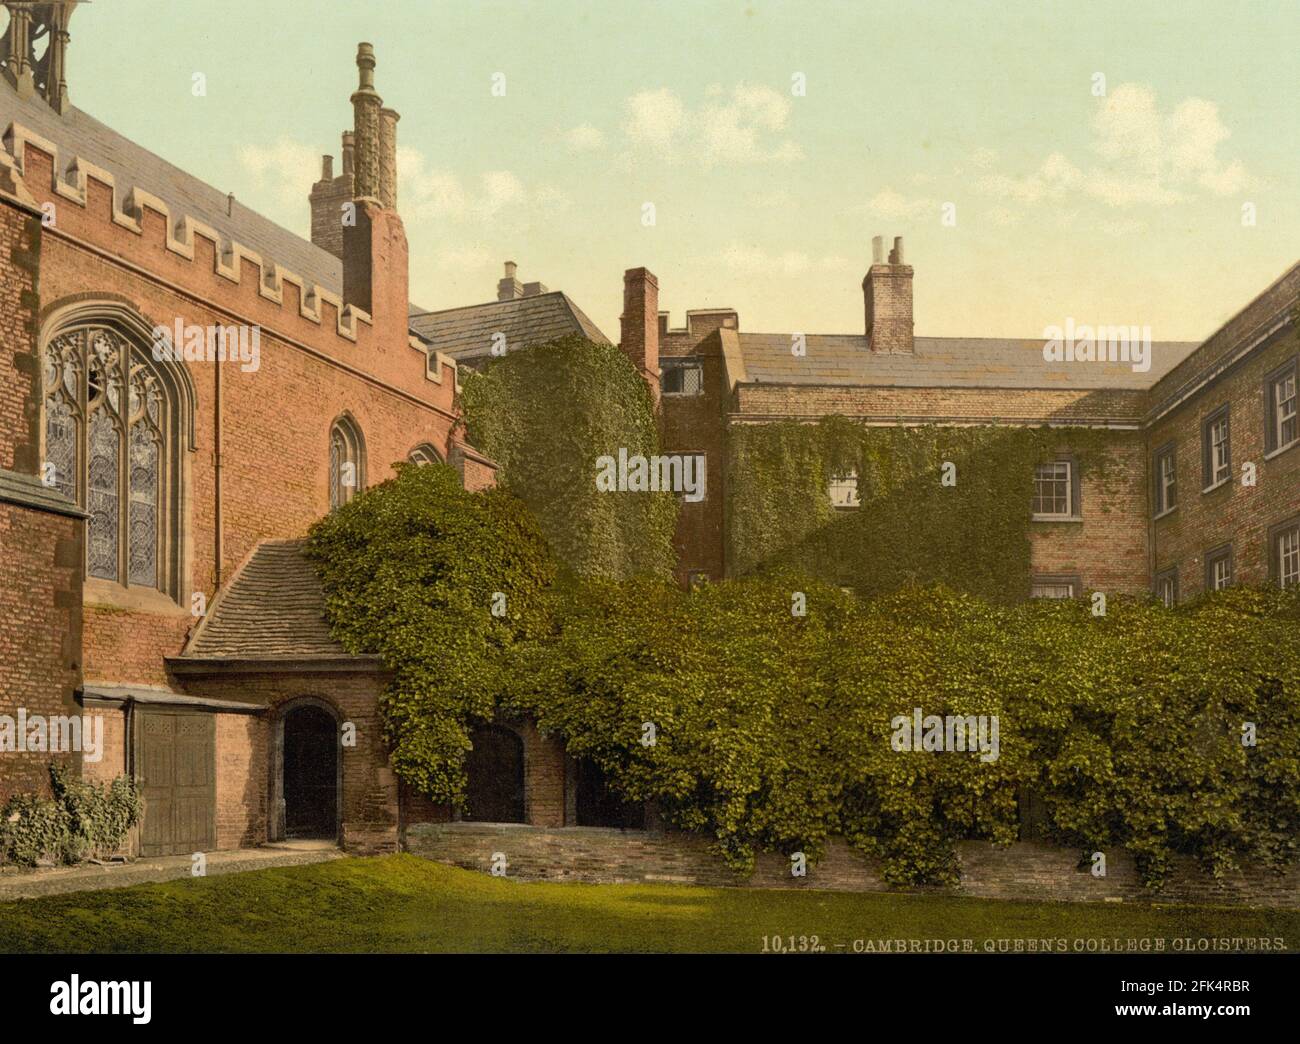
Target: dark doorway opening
600 806
311 770
495 777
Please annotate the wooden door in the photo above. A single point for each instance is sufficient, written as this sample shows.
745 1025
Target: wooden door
176 763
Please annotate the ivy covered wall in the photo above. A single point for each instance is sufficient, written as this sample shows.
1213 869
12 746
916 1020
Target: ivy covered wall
545 415
971 533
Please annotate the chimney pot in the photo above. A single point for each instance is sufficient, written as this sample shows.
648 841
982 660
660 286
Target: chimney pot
327 168
877 250
896 255
349 150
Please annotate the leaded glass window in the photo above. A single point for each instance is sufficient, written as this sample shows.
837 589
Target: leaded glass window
106 426
347 475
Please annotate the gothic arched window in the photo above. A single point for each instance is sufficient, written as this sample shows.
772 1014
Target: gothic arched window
111 440
347 461
423 454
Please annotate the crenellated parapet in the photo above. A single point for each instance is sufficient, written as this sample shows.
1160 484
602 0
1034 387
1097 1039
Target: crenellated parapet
130 204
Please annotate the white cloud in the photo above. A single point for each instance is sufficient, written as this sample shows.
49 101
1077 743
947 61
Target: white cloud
467 258
1143 156
755 261
744 124
427 192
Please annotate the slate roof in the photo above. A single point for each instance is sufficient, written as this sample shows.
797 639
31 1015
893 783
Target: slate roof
466 333
945 362
273 608
77 134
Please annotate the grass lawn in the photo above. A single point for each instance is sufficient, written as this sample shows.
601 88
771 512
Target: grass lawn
409 905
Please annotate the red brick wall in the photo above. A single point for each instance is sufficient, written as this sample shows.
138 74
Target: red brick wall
275 422
40 551
1107 550
1232 513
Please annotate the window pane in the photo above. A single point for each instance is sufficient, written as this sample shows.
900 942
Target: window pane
1220 457
144 507
844 490
1052 489
679 378
1052 591
61 444
102 500
1288 555
337 456
1284 397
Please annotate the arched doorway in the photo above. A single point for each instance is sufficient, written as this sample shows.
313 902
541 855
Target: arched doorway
495 776
597 805
309 773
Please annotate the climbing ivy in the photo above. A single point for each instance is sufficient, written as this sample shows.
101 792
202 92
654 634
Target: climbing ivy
773 730
972 535
413 570
545 414
760 710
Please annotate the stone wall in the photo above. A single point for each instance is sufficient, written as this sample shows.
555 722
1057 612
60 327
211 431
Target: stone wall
1025 870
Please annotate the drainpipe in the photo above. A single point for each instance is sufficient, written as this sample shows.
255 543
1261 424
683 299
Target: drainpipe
219 549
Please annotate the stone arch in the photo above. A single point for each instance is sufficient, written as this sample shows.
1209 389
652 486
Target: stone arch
306 770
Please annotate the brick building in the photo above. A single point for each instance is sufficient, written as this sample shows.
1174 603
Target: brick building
1186 513
154 489
152 505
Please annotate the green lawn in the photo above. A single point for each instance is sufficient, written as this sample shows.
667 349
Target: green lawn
409 905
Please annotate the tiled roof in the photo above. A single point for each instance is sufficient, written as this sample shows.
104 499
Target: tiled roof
77 134
272 609
949 362
466 333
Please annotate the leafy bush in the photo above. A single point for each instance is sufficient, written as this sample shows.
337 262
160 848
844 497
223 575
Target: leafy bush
83 819
411 570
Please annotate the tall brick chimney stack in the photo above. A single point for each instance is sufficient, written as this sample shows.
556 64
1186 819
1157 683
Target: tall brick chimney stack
327 198
375 253
887 293
509 288
639 324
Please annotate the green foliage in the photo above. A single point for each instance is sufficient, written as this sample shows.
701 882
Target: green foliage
83 819
545 415
972 536
410 569
774 731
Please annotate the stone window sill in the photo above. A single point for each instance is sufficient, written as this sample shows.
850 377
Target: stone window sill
1282 449
105 594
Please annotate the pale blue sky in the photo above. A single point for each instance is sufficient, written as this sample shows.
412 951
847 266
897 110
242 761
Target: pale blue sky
1117 209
